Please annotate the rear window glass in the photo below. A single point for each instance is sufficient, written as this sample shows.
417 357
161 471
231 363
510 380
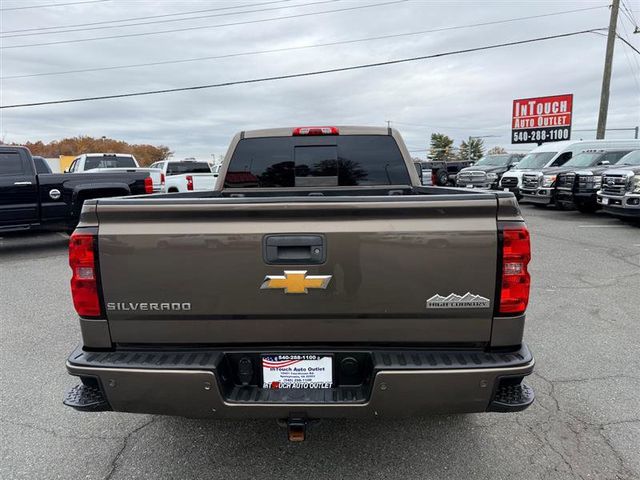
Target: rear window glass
178 168
11 164
109 162
41 165
317 162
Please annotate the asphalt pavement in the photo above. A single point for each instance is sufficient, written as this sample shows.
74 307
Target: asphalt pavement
582 325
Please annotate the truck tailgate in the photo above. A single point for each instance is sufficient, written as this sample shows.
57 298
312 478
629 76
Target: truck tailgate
191 270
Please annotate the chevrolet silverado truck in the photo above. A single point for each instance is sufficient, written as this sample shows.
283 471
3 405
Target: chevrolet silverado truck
33 198
540 188
112 163
487 171
579 188
319 279
620 190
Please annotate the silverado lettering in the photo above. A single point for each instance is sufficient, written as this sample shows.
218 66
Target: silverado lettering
164 306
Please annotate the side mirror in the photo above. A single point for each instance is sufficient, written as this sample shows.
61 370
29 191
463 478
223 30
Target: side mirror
513 165
604 162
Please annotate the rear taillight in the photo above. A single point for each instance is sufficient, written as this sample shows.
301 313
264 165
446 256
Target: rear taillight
316 131
162 179
434 178
148 185
189 182
516 253
84 285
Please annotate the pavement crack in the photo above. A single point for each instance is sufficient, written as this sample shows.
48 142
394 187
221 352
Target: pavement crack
113 465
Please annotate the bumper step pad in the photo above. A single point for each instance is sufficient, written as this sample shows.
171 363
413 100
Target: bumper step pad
86 399
512 398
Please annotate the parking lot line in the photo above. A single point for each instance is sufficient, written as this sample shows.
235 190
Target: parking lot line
602 226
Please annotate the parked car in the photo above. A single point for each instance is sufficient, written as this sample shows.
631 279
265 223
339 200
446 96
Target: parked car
342 287
33 198
487 171
186 175
620 191
443 172
539 187
579 188
114 162
555 154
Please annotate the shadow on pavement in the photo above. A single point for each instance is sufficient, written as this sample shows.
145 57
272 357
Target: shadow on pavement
26 242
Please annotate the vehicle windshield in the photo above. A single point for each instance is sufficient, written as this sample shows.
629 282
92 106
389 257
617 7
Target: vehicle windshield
632 158
494 160
536 160
179 168
111 161
585 159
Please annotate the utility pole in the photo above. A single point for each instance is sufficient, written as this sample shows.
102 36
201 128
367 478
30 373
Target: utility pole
606 76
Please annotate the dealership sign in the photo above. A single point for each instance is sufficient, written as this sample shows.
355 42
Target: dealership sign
541 119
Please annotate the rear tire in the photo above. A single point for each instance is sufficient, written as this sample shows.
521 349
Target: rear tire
442 178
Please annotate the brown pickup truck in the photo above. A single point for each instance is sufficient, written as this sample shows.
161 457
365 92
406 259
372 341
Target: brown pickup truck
319 279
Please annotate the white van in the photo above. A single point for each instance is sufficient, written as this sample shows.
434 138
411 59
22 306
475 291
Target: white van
555 154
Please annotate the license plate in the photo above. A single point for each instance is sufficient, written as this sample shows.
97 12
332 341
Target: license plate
469 186
605 201
297 371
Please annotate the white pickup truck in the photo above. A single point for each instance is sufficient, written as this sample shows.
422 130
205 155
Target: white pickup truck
114 162
186 175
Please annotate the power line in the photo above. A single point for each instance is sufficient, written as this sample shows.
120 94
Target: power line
621 38
158 32
631 60
629 13
166 20
233 13
52 5
104 22
303 74
629 44
303 47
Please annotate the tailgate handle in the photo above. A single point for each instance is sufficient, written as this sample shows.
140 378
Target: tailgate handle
294 249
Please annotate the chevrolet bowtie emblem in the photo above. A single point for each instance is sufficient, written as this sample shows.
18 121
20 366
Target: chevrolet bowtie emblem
296 281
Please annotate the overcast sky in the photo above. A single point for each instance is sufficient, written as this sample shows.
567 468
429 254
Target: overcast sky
459 95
